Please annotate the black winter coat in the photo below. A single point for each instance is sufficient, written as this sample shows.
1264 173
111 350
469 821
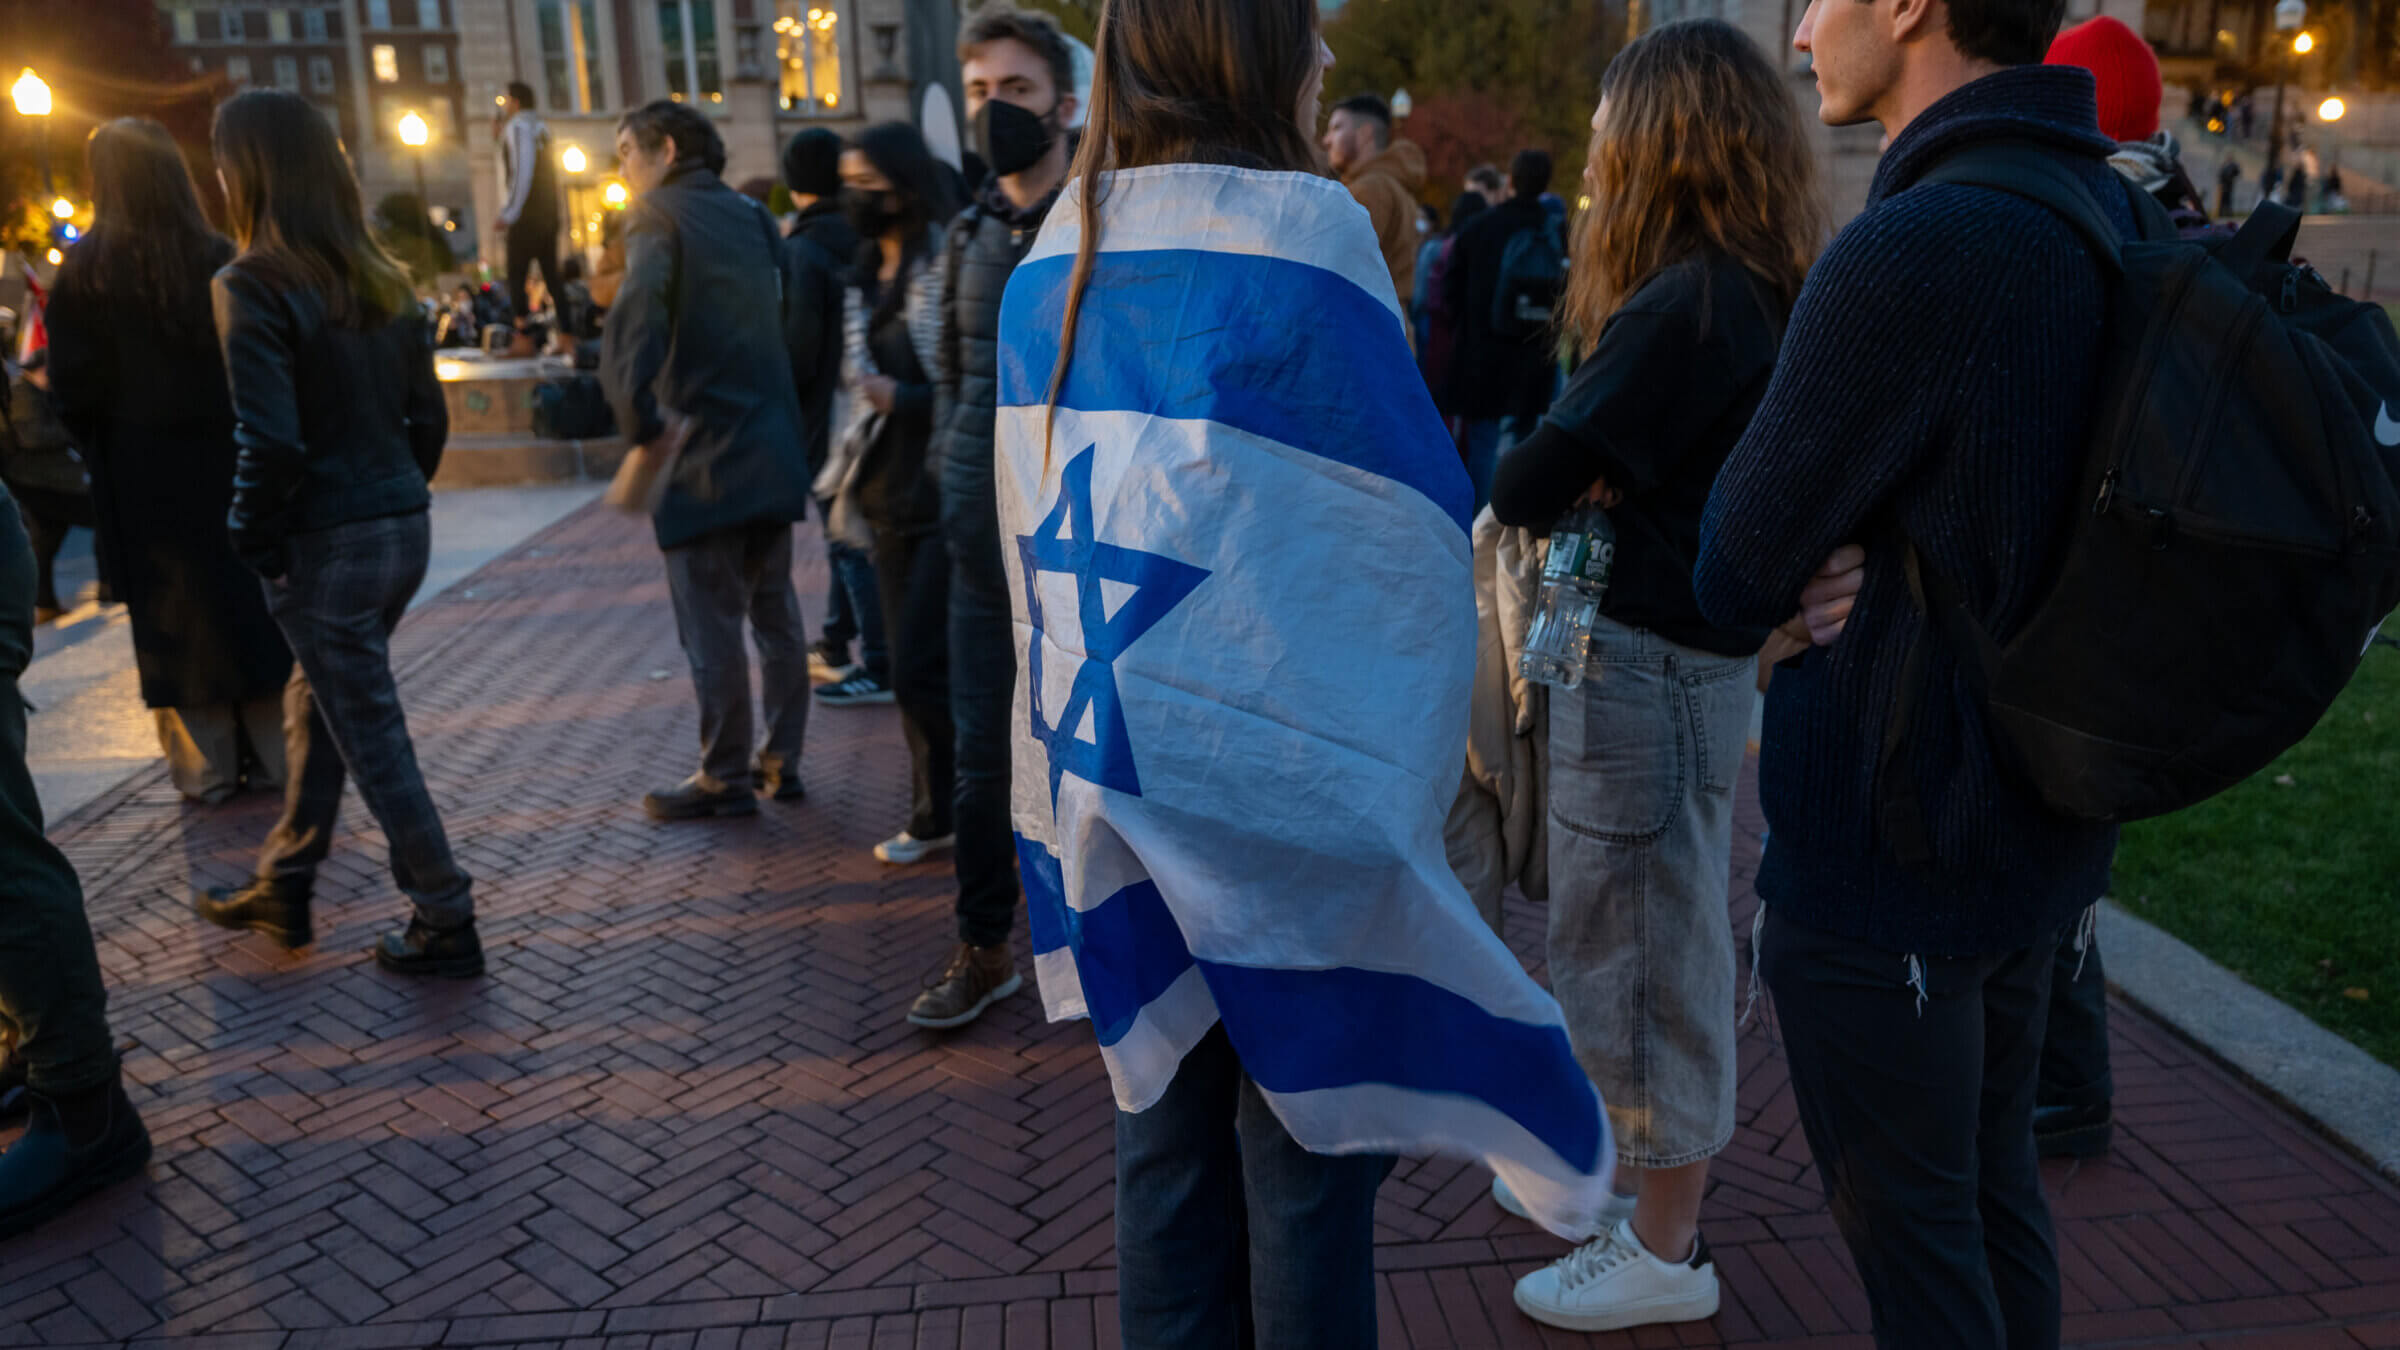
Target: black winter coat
986 243
156 424
334 424
1492 376
816 269
697 328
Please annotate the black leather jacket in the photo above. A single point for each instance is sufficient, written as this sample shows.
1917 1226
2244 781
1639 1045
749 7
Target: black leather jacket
332 424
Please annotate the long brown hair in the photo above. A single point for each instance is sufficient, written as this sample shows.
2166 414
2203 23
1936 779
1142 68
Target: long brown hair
1187 82
1699 148
149 244
295 207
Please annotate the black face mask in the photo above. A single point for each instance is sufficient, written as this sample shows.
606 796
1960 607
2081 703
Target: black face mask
870 213
1012 139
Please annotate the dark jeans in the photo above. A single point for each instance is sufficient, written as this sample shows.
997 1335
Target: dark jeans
913 573
1231 1235
52 1005
338 603
2074 1069
854 608
48 517
531 240
983 688
714 582
1919 1109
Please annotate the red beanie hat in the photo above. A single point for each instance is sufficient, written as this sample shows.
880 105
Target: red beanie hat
2127 72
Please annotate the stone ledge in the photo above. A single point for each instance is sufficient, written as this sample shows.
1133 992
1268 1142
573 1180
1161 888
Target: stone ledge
503 461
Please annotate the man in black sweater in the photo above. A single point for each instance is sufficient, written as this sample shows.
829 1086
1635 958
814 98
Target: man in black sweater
1936 382
1020 84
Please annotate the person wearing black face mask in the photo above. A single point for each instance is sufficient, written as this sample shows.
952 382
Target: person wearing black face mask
1019 77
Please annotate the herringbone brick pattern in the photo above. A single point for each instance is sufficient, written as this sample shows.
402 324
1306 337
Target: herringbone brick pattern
683 1111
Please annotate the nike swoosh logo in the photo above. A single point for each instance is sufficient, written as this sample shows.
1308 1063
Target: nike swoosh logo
2387 431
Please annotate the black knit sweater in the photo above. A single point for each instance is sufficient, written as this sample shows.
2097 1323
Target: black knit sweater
1937 376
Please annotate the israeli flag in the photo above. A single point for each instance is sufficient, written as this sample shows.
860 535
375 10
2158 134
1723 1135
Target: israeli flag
1245 628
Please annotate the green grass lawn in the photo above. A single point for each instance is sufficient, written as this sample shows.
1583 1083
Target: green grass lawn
2292 880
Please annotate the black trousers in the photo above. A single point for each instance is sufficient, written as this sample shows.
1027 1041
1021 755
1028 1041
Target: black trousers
716 581
52 1004
531 240
1915 1081
48 517
983 687
912 570
2075 1069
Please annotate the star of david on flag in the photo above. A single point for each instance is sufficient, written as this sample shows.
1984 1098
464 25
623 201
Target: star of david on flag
1120 594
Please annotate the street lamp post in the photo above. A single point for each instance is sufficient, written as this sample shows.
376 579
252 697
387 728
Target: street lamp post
32 98
2289 15
413 134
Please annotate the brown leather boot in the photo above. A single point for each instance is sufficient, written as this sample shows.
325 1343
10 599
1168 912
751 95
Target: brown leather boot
976 978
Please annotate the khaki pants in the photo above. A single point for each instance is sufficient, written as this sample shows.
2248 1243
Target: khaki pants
204 747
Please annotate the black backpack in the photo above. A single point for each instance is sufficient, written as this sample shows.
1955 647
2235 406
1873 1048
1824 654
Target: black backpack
2237 540
1533 274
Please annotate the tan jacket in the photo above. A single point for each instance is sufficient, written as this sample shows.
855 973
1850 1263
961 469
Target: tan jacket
1496 833
1387 186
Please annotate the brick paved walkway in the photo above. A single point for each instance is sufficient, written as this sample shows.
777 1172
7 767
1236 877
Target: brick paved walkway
683 1110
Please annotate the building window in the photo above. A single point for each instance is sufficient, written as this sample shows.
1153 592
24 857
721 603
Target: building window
437 63
237 69
379 13
229 25
429 14
687 29
320 74
187 27
809 51
570 32
312 24
387 63
279 25
287 72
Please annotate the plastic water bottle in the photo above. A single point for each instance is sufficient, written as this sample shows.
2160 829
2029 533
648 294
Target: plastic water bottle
1558 648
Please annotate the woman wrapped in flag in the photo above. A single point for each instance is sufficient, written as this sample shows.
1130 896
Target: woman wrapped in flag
1241 572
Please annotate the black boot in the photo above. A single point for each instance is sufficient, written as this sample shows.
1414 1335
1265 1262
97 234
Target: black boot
72 1146
452 953
698 798
2072 1131
274 907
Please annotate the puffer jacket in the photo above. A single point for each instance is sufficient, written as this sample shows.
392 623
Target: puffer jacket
986 242
332 425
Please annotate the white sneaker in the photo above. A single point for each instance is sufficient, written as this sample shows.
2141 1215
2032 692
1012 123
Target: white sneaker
1613 1282
904 848
1618 1210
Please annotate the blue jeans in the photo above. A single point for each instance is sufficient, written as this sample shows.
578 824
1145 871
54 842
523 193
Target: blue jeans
1231 1235
1485 439
854 609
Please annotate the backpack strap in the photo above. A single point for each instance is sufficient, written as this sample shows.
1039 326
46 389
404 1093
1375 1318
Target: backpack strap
2267 236
2024 170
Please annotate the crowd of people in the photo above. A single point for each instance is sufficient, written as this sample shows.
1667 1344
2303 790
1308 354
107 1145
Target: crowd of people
974 384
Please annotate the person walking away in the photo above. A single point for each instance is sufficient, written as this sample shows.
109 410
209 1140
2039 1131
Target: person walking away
1675 308
48 478
1019 76
60 1064
898 198
1385 176
1499 384
693 356
1945 350
818 252
1288 982
339 425
528 198
142 385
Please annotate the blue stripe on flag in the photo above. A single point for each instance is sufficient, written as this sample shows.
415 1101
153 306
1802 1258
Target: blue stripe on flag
1127 951
1307 1030
1202 336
